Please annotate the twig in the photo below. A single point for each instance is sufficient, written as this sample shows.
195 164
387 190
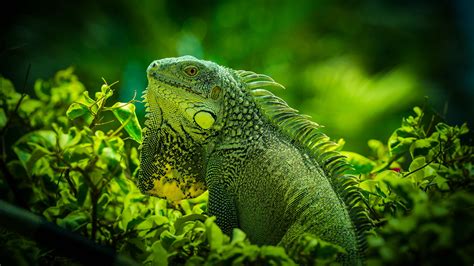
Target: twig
426 164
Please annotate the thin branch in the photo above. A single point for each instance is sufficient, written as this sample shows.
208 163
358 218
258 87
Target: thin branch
426 164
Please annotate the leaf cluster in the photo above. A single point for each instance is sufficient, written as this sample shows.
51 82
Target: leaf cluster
418 189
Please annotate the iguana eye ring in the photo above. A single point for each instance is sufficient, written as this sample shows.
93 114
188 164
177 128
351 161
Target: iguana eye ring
191 70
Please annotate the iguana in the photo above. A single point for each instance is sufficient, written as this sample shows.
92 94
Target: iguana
268 169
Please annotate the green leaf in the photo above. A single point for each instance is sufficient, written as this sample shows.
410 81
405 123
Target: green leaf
158 256
420 147
8 95
106 90
134 222
37 154
3 118
78 154
26 145
441 183
44 138
74 220
52 212
28 106
76 110
238 236
378 148
416 164
418 111
214 234
182 221
125 113
398 144
72 138
122 185
362 164
99 141
464 129
110 157
82 194
103 201
6 88
42 89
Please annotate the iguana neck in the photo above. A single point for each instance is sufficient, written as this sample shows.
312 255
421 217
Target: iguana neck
242 119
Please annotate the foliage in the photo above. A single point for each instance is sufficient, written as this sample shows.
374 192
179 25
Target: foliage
75 161
419 191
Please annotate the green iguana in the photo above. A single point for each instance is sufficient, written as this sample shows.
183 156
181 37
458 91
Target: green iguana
268 169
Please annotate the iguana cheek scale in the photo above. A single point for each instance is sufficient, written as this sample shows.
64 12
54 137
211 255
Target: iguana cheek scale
268 169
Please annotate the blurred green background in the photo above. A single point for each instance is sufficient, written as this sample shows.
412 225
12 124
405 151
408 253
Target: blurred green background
355 66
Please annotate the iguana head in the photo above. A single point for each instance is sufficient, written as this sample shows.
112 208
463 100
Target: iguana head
188 91
184 106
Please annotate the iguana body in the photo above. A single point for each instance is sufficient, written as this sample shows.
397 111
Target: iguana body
268 170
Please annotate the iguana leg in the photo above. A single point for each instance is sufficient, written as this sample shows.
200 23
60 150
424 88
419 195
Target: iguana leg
221 202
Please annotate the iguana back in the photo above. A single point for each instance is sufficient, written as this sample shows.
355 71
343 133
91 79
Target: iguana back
269 171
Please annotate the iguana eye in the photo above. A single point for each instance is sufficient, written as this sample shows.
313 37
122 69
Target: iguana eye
191 71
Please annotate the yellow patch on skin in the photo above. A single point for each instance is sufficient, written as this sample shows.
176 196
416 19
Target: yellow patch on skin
172 186
204 119
196 189
167 190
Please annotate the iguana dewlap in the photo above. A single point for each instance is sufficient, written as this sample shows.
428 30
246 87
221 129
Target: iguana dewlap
268 169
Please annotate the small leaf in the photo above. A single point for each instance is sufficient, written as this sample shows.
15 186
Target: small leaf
442 183
52 212
103 201
361 164
158 256
122 185
238 235
76 110
134 222
74 220
416 164
42 89
214 234
72 138
110 157
182 221
420 147
82 194
3 118
37 154
28 106
125 113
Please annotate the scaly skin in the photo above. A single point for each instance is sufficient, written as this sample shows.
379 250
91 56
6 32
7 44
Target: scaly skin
213 127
